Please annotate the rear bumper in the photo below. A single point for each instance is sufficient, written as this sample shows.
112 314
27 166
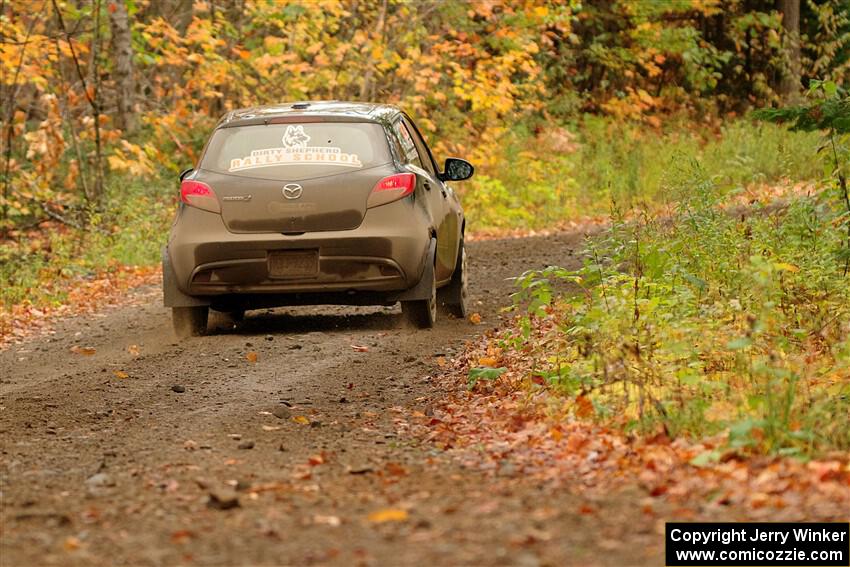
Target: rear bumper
335 273
386 253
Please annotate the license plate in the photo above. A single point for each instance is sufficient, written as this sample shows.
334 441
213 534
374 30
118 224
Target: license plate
293 264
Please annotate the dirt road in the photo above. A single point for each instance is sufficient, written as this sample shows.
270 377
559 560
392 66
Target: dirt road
169 453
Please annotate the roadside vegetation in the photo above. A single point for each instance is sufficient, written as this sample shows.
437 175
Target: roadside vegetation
598 165
707 320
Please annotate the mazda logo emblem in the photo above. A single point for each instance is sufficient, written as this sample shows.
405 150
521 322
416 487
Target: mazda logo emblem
292 191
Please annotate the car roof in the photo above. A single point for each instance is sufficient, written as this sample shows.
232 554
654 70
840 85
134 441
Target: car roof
314 111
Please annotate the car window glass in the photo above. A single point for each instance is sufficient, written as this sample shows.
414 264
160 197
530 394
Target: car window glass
424 157
399 150
408 146
296 151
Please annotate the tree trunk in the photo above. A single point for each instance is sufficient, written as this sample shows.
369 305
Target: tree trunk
96 198
182 12
122 52
367 86
790 85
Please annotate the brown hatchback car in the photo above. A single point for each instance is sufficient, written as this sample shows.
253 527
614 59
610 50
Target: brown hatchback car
316 203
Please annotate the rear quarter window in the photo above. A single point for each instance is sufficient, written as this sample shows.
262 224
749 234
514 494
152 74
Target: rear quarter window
296 151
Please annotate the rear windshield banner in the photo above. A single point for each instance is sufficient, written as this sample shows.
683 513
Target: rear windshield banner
295 151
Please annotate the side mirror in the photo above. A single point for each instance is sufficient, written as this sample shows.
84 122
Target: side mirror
457 170
186 172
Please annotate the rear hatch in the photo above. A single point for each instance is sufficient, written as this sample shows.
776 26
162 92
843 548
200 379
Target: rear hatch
295 177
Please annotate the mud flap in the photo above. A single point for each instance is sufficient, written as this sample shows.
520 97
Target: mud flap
422 290
171 294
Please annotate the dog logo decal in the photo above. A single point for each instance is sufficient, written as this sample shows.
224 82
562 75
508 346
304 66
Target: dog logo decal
295 137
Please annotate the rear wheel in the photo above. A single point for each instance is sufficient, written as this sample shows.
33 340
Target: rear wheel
453 297
422 313
189 321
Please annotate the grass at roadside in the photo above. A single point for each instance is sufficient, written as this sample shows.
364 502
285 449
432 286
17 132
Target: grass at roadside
40 266
702 324
541 180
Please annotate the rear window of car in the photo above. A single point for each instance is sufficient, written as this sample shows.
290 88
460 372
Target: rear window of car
296 151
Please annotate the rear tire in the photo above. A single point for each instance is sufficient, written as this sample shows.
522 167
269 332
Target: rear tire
422 313
453 297
190 321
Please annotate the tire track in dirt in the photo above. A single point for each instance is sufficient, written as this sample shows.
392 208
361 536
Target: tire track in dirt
99 469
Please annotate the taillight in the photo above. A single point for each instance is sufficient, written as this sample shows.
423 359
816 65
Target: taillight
200 195
391 189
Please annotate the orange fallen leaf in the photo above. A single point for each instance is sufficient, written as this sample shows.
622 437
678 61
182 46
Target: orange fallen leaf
120 374
251 357
301 419
133 350
181 536
88 351
576 441
475 319
441 361
71 544
488 361
395 469
584 406
388 515
316 460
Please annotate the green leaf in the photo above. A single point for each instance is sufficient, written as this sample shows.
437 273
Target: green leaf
706 458
476 374
830 88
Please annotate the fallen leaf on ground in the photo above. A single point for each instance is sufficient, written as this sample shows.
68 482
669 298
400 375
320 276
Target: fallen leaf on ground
301 419
395 469
326 520
585 407
88 351
120 374
133 350
181 536
251 357
388 515
475 319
